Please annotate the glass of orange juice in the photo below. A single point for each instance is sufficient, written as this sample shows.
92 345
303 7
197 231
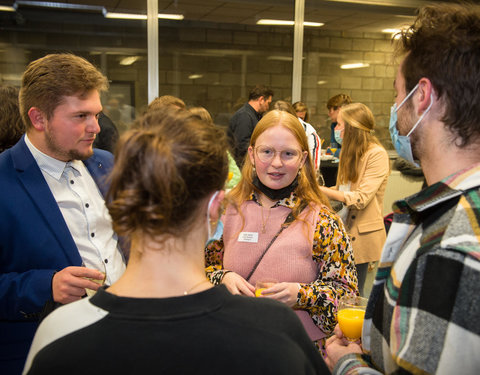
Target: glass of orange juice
263 284
351 311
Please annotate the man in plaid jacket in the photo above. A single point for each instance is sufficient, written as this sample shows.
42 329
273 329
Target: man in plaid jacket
423 313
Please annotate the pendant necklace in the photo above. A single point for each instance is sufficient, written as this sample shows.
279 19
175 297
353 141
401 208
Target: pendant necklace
193 287
264 222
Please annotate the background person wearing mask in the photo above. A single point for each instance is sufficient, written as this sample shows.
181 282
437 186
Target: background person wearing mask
361 181
333 106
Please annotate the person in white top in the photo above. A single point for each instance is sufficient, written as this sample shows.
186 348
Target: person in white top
314 142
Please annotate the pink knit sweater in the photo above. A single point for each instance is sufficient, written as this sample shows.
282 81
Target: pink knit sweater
289 258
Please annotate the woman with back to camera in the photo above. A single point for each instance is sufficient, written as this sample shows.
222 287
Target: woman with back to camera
163 315
311 257
362 177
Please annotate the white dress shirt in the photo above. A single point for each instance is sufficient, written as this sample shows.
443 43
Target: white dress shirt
84 211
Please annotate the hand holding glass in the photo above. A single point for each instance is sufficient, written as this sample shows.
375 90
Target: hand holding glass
351 312
91 292
261 285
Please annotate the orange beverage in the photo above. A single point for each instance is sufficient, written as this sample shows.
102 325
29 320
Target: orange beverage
351 322
261 285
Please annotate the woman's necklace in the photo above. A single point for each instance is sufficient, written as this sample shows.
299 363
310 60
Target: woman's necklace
193 287
264 222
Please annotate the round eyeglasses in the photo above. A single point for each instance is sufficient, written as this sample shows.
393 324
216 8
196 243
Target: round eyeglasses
266 154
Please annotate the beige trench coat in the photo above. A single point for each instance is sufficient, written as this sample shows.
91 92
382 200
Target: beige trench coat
365 202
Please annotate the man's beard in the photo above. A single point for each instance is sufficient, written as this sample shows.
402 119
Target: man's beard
53 146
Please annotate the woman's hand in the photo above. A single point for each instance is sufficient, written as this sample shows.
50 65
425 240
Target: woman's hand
283 292
338 346
236 284
333 193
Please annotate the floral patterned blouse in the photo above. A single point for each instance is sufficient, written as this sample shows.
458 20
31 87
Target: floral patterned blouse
331 250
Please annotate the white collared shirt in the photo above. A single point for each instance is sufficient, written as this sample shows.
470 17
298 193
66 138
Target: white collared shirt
84 211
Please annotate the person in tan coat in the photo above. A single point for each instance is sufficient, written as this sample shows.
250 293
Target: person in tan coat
362 177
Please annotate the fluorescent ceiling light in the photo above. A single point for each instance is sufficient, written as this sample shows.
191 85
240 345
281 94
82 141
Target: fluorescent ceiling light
59 5
136 16
389 3
166 16
391 31
321 82
129 60
126 16
354 66
280 58
4 8
195 76
265 21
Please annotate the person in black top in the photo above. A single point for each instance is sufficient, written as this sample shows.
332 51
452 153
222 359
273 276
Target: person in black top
244 120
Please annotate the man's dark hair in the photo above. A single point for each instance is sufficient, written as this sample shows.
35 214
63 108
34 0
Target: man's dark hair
11 124
443 46
259 91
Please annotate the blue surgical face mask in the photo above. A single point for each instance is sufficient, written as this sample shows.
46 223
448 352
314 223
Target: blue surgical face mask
338 137
218 231
402 143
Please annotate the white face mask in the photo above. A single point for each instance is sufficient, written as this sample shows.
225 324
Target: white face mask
218 230
338 136
402 143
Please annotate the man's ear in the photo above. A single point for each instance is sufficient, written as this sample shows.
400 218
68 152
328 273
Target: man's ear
37 118
425 90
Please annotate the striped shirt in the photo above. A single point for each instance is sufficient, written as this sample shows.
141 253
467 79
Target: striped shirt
423 313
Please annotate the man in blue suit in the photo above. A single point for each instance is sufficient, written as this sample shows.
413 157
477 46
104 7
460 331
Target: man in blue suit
55 231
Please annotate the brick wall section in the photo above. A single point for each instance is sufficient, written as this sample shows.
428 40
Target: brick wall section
229 59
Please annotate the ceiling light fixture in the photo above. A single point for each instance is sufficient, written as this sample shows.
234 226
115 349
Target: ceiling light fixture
354 66
391 31
58 5
270 22
195 76
4 8
129 60
136 16
321 82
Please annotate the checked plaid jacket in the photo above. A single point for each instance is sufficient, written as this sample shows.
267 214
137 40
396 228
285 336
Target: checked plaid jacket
423 315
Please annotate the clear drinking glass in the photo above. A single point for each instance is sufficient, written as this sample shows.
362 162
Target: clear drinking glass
263 284
351 312
89 264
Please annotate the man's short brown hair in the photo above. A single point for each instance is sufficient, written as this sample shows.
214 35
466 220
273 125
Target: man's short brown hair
259 91
48 80
443 46
166 101
337 101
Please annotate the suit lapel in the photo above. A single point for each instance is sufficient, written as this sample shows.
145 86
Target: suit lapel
99 169
37 189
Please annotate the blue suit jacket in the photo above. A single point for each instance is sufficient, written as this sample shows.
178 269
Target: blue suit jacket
34 243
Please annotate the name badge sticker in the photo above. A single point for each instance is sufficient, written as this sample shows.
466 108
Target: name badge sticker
248 237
